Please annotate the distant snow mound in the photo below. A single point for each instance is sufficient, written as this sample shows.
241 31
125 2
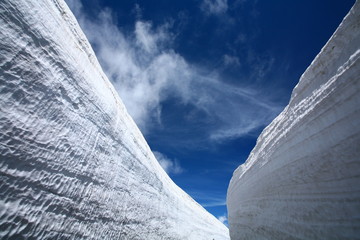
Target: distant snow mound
73 163
302 179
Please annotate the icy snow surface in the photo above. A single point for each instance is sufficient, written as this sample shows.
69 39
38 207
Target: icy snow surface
302 179
73 163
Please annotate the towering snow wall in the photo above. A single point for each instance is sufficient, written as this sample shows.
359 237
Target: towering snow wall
73 163
302 179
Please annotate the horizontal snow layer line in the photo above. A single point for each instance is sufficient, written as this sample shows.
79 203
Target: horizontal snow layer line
301 181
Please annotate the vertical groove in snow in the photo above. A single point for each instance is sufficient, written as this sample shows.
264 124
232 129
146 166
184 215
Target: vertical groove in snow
301 181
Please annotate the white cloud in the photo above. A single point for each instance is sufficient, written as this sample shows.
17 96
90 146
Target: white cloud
149 40
223 219
170 166
214 6
146 71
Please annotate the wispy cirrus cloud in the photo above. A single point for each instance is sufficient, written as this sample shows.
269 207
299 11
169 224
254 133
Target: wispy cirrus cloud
229 60
170 166
209 199
146 71
214 6
214 203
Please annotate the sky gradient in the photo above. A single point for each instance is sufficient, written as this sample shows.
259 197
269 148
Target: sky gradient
202 78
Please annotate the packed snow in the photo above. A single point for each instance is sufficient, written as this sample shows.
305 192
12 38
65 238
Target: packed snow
302 179
73 163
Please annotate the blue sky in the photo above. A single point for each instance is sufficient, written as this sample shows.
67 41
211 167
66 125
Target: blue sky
202 78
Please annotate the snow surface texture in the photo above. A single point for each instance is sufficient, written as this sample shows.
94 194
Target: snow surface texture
73 163
302 179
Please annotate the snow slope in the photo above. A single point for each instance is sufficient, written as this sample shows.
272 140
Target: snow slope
73 163
302 179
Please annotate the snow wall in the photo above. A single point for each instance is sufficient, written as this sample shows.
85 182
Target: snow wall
302 179
73 163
